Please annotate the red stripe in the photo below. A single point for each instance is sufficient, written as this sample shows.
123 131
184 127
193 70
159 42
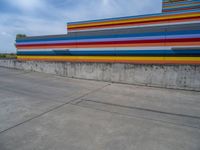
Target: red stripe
176 1
115 42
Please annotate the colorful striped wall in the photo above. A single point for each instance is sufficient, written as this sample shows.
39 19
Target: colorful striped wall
180 5
136 21
165 38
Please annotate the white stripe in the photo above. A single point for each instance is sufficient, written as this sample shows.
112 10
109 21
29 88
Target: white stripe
120 48
116 48
33 50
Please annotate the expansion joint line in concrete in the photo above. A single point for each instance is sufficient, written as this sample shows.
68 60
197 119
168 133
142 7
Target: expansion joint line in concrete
144 109
135 116
55 108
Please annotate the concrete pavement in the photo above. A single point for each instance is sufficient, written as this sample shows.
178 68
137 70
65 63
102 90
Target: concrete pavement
45 112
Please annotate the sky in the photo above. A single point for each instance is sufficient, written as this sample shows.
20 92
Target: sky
46 17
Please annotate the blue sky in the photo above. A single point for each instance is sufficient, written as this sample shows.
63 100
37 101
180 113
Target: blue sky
43 17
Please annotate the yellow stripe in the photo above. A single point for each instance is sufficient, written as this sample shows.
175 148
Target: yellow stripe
119 58
137 20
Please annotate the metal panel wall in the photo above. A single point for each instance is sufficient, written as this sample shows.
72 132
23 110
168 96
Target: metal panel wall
166 38
180 5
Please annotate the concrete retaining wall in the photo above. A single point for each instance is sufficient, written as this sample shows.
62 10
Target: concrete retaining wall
168 76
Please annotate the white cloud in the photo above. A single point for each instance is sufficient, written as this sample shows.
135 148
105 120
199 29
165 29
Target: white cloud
5 33
105 2
26 5
40 17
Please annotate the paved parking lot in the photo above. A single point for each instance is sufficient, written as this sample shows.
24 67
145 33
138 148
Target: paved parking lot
45 112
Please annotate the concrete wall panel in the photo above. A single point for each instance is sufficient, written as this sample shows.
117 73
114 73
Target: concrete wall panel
168 76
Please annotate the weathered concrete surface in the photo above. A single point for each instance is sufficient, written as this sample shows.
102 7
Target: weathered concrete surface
24 95
168 76
47 112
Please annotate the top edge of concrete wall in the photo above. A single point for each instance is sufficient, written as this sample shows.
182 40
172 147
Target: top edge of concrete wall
185 77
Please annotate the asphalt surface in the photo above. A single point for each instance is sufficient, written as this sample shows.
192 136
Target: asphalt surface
45 112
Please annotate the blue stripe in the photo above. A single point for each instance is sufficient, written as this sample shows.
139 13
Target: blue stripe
114 36
112 52
43 53
116 39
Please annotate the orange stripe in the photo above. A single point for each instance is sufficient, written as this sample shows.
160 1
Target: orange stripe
154 23
132 19
183 44
114 61
150 23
